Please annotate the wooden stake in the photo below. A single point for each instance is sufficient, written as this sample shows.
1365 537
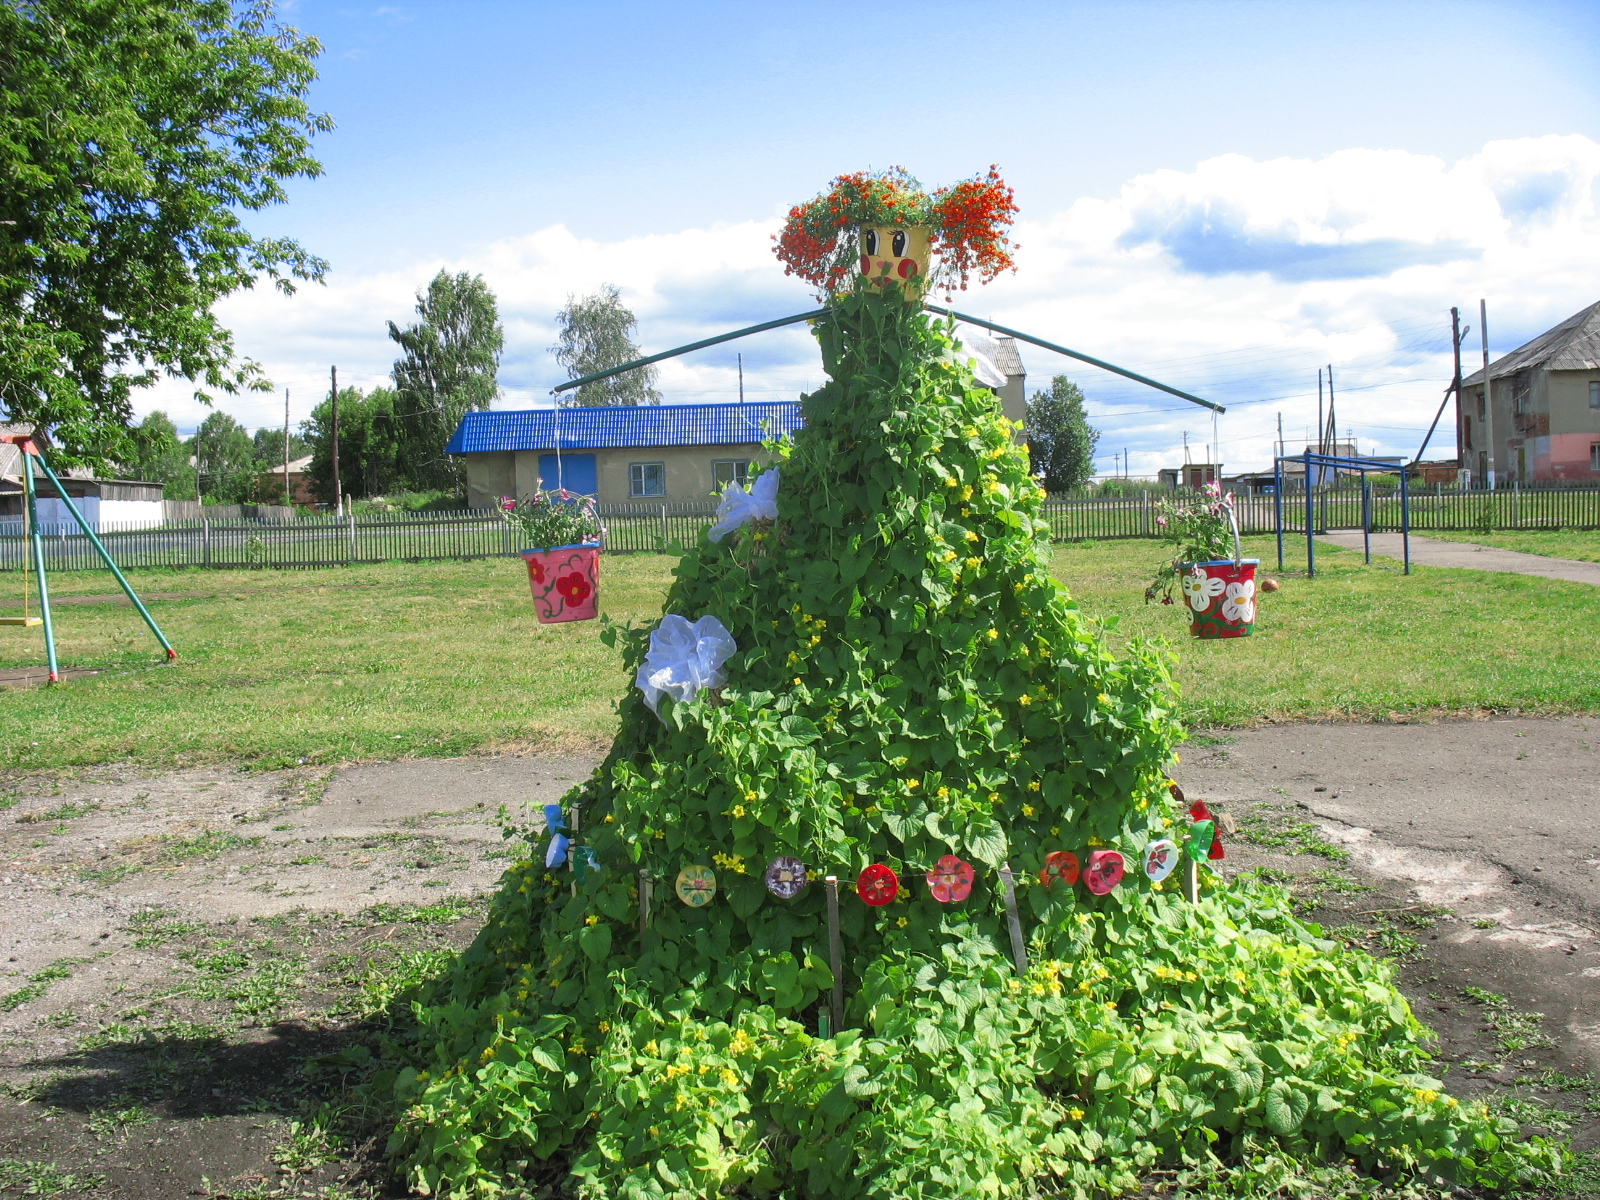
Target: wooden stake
644 903
1191 879
835 954
1019 948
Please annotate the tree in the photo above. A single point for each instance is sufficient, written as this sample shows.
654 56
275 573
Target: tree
132 134
225 457
369 444
269 447
597 333
156 454
1061 441
449 366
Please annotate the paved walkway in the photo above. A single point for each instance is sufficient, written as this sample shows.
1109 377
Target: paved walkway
1431 552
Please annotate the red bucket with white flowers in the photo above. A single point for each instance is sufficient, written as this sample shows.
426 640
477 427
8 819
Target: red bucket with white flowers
565 582
1221 596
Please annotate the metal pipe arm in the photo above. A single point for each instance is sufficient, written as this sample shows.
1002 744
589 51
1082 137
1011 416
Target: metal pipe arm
700 345
1093 362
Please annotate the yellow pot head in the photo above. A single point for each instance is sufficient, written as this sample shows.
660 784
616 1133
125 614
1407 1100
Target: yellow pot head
895 255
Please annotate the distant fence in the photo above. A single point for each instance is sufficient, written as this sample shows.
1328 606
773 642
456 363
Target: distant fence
327 541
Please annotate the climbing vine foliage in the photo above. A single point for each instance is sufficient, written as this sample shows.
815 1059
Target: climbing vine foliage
910 682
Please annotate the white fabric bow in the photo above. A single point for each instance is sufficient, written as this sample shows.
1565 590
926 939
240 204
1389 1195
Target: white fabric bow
684 658
738 506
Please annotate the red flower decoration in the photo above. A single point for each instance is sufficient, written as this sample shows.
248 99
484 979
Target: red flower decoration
1059 864
970 221
878 885
574 588
951 879
535 570
1106 869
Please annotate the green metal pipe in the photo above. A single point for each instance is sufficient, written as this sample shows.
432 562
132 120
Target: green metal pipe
1093 362
725 337
37 544
105 557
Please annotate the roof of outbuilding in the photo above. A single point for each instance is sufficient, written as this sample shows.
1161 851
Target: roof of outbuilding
1573 345
618 426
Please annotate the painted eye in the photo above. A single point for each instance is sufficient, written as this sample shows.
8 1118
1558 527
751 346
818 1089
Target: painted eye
869 241
899 243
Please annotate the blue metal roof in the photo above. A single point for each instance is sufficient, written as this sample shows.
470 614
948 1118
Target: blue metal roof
624 426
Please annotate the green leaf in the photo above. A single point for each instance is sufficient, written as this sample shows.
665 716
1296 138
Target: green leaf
596 941
1285 1108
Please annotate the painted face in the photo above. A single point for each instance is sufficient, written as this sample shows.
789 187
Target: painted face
895 253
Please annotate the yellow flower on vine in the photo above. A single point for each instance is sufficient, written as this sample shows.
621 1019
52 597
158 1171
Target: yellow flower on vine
1027 810
994 634
1077 1114
592 919
1025 700
1034 786
738 810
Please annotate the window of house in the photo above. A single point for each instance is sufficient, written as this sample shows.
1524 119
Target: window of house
1481 392
1594 393
647 479
1594 456
1519 396
729 470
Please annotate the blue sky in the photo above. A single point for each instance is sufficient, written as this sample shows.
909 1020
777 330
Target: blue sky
1224 195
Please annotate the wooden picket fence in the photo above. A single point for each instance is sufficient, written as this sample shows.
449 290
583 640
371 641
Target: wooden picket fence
327 541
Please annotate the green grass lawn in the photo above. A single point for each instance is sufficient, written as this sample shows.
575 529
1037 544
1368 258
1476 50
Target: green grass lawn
1583 544
405 659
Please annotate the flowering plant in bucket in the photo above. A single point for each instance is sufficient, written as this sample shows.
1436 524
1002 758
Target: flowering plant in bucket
556 518
1197 528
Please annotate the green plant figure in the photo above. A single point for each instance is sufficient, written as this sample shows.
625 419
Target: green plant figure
909 683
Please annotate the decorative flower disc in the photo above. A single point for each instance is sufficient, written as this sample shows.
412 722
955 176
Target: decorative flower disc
696 886
1062 865
1201 835
786 877
951 879
1105 871
1161 859
878 885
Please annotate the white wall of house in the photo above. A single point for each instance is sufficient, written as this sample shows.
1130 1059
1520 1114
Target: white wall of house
102 515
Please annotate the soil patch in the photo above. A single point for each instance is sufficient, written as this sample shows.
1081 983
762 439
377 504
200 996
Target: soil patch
193 963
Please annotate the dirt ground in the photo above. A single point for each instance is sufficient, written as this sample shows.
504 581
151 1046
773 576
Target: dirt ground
187 961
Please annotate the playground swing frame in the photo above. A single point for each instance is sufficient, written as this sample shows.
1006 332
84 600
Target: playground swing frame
1337 463
32 453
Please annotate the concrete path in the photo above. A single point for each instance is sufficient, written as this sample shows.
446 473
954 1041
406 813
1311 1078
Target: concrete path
1431 552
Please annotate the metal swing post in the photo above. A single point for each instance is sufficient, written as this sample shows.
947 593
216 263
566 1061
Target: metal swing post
37 541
1311 523
1277 503
105 557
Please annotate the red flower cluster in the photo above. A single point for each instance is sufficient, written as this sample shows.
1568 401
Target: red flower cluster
969 221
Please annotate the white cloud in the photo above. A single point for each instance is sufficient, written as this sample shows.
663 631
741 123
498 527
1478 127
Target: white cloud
1234 280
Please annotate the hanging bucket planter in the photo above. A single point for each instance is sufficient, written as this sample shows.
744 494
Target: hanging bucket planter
565 582
1221 596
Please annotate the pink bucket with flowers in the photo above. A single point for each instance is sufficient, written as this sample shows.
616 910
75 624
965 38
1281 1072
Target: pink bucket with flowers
565 582
1219 592
564 573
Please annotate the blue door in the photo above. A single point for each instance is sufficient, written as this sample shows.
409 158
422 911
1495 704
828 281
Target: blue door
577 474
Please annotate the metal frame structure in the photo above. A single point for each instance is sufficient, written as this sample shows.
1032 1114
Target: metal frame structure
31 454
819 313
1337 463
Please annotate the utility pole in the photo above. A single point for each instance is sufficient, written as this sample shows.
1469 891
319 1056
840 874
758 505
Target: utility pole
1321 445
1186 447
338 492
1279 454
1455 384
1125 472
1333 422
1488 390
288 496
741 379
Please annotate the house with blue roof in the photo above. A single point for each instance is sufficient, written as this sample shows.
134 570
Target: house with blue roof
646 454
